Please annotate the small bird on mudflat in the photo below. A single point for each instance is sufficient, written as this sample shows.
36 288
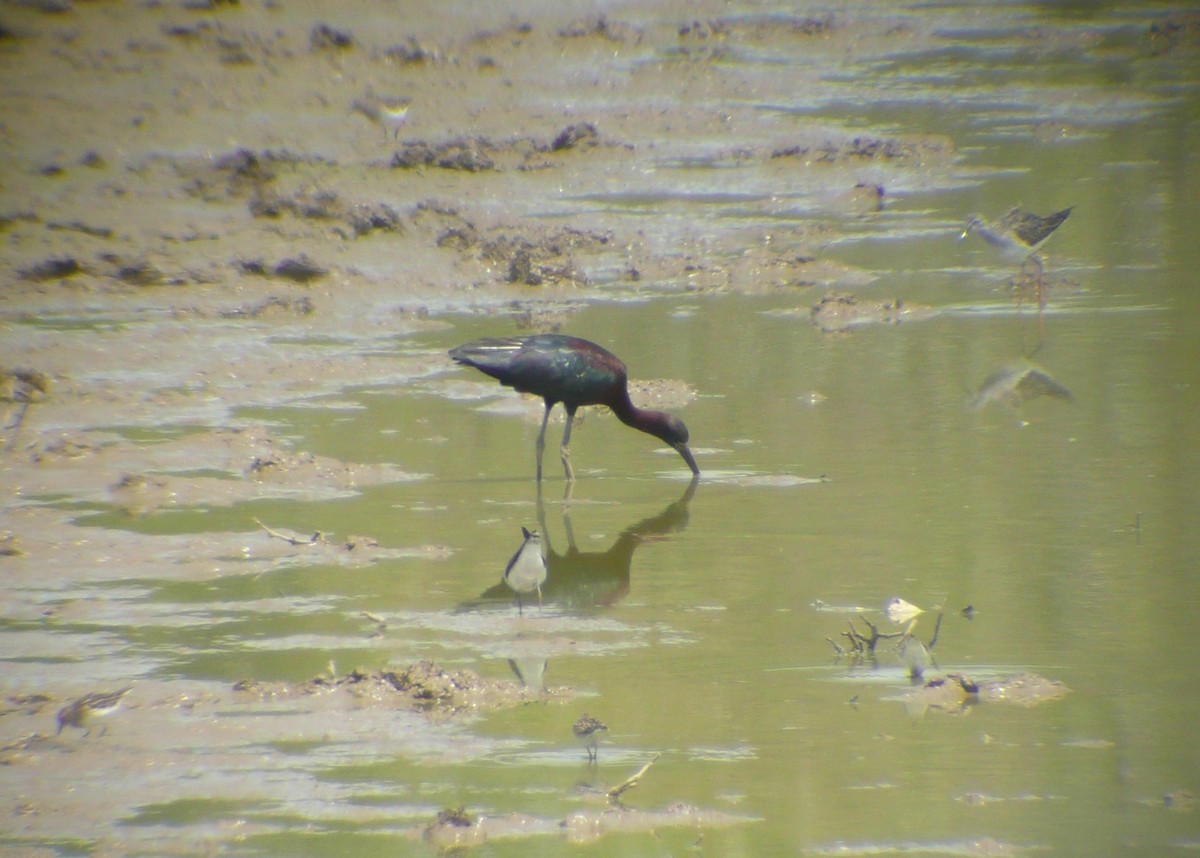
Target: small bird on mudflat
526 571
575 372
1019 235
97 704
588 731
386 111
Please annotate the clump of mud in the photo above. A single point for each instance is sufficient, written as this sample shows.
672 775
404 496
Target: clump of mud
955 692
840 312
424 686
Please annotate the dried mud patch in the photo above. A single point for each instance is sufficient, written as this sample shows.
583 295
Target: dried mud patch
190 744
456 829
205 468
840 313
955 692
424 687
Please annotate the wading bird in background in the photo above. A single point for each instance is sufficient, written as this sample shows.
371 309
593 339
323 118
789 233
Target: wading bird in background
1020 234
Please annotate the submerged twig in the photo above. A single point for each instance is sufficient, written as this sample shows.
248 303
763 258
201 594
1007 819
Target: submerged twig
863 645
629 783
315 539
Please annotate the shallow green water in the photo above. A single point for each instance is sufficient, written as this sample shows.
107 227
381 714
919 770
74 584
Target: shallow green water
716 657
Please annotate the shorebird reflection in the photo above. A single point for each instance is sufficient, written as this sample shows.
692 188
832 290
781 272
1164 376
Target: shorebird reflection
1017 382
531 670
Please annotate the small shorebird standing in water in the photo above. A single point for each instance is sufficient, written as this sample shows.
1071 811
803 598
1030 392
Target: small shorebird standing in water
388 112
1020 234
95 705
526 571
587 730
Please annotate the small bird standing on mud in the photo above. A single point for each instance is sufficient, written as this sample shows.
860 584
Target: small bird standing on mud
526 571
386 111
95 705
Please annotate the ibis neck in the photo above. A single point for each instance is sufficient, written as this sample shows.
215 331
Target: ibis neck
642 419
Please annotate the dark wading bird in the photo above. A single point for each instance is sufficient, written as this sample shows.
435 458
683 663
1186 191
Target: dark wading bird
575 372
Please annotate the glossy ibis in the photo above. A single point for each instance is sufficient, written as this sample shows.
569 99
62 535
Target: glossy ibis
526 571
575 372
1020 234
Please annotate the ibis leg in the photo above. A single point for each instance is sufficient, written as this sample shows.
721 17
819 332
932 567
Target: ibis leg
541 440
566 446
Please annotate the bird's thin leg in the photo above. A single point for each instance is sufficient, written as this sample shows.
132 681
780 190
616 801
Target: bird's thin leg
566 445
1041 282
541 441
541 516
520 610
1025 277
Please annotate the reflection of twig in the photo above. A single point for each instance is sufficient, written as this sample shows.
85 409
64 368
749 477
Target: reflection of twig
629 783
937 628
316 538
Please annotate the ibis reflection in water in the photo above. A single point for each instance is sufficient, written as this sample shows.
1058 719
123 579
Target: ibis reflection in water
579 580
575 372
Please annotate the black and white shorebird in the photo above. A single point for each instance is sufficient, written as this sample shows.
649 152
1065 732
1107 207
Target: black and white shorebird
97 704
588 731
526 572
1020 235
